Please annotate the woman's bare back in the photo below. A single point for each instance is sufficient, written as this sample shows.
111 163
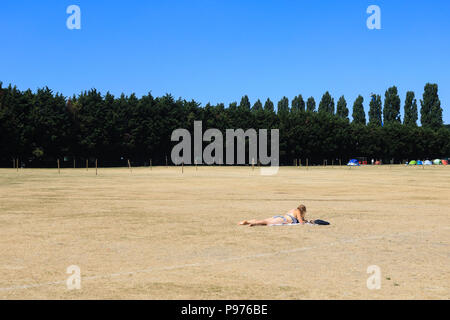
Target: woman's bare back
294 213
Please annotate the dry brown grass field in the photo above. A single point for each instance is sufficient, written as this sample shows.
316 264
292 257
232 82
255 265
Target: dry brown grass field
160 234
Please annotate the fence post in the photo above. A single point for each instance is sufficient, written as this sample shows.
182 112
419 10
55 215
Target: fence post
58 166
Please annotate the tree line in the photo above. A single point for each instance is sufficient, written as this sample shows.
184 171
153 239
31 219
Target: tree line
40 127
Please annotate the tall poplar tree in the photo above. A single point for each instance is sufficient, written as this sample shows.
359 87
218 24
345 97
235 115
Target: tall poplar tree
431 111
375 117
391 111
359 116
341 109
411 116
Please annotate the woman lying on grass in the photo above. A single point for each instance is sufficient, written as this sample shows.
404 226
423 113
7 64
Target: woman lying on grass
294 216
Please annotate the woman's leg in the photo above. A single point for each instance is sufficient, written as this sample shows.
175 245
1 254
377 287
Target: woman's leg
265 222
248 221
253 223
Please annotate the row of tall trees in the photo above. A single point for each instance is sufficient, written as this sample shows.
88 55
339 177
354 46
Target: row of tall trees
431 111
42 126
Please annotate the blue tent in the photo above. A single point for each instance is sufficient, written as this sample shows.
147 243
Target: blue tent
353 162
420 163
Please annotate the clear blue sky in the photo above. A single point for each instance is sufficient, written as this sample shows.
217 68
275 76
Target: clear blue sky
217 51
